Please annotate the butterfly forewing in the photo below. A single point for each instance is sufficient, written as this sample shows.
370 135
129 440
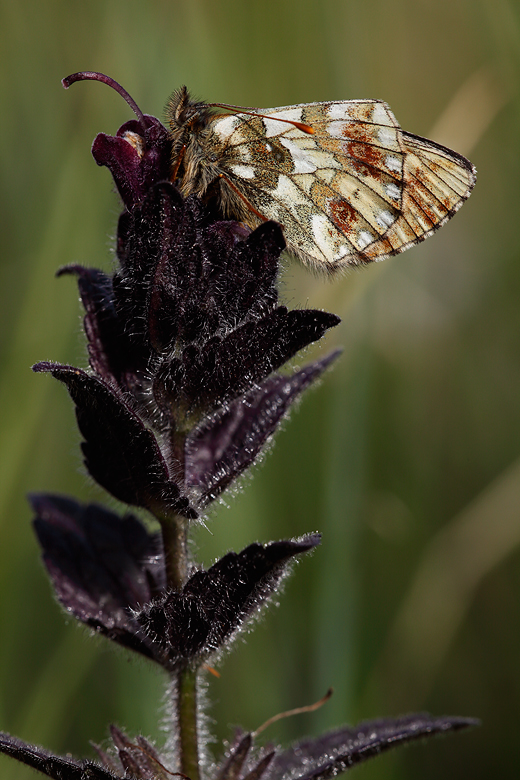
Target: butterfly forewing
354 190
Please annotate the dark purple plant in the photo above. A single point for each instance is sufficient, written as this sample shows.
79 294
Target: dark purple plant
183 393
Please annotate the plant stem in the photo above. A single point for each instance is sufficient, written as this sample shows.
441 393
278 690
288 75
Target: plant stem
175 544
187 722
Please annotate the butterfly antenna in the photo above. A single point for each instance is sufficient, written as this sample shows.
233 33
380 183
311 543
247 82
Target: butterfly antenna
299 125
297 711
91 75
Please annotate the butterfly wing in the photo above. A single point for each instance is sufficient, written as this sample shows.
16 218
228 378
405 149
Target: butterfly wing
354 190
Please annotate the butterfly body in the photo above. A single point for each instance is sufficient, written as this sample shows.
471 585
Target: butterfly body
345 182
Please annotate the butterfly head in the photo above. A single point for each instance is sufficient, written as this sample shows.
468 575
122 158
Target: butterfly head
186 119
182 111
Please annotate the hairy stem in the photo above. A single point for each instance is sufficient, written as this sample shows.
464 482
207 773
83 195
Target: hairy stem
175 544
187 722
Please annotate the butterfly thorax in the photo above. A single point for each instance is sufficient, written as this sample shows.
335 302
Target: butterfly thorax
194 163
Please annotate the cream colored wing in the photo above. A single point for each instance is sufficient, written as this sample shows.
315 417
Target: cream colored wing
354 190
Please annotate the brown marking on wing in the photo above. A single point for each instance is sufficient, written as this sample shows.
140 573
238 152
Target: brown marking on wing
360 145
344 216
362 112
365 159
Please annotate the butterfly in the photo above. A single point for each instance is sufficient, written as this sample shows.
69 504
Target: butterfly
347 185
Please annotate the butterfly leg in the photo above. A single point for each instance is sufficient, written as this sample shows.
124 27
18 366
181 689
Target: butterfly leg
178 161
243 198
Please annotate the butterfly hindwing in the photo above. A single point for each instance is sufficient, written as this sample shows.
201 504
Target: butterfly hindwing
354 190
436 182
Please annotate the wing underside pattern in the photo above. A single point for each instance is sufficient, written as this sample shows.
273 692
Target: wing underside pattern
355 190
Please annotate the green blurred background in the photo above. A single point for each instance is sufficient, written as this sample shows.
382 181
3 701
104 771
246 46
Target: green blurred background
407 457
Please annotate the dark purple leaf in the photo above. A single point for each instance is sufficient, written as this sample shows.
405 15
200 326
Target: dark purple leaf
221 448
232 765
215 603
57 767
261 767
108 346
240 763
139 759
337 751
146 243
162 288
102 566
184 277
121 454
247 284
223 367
